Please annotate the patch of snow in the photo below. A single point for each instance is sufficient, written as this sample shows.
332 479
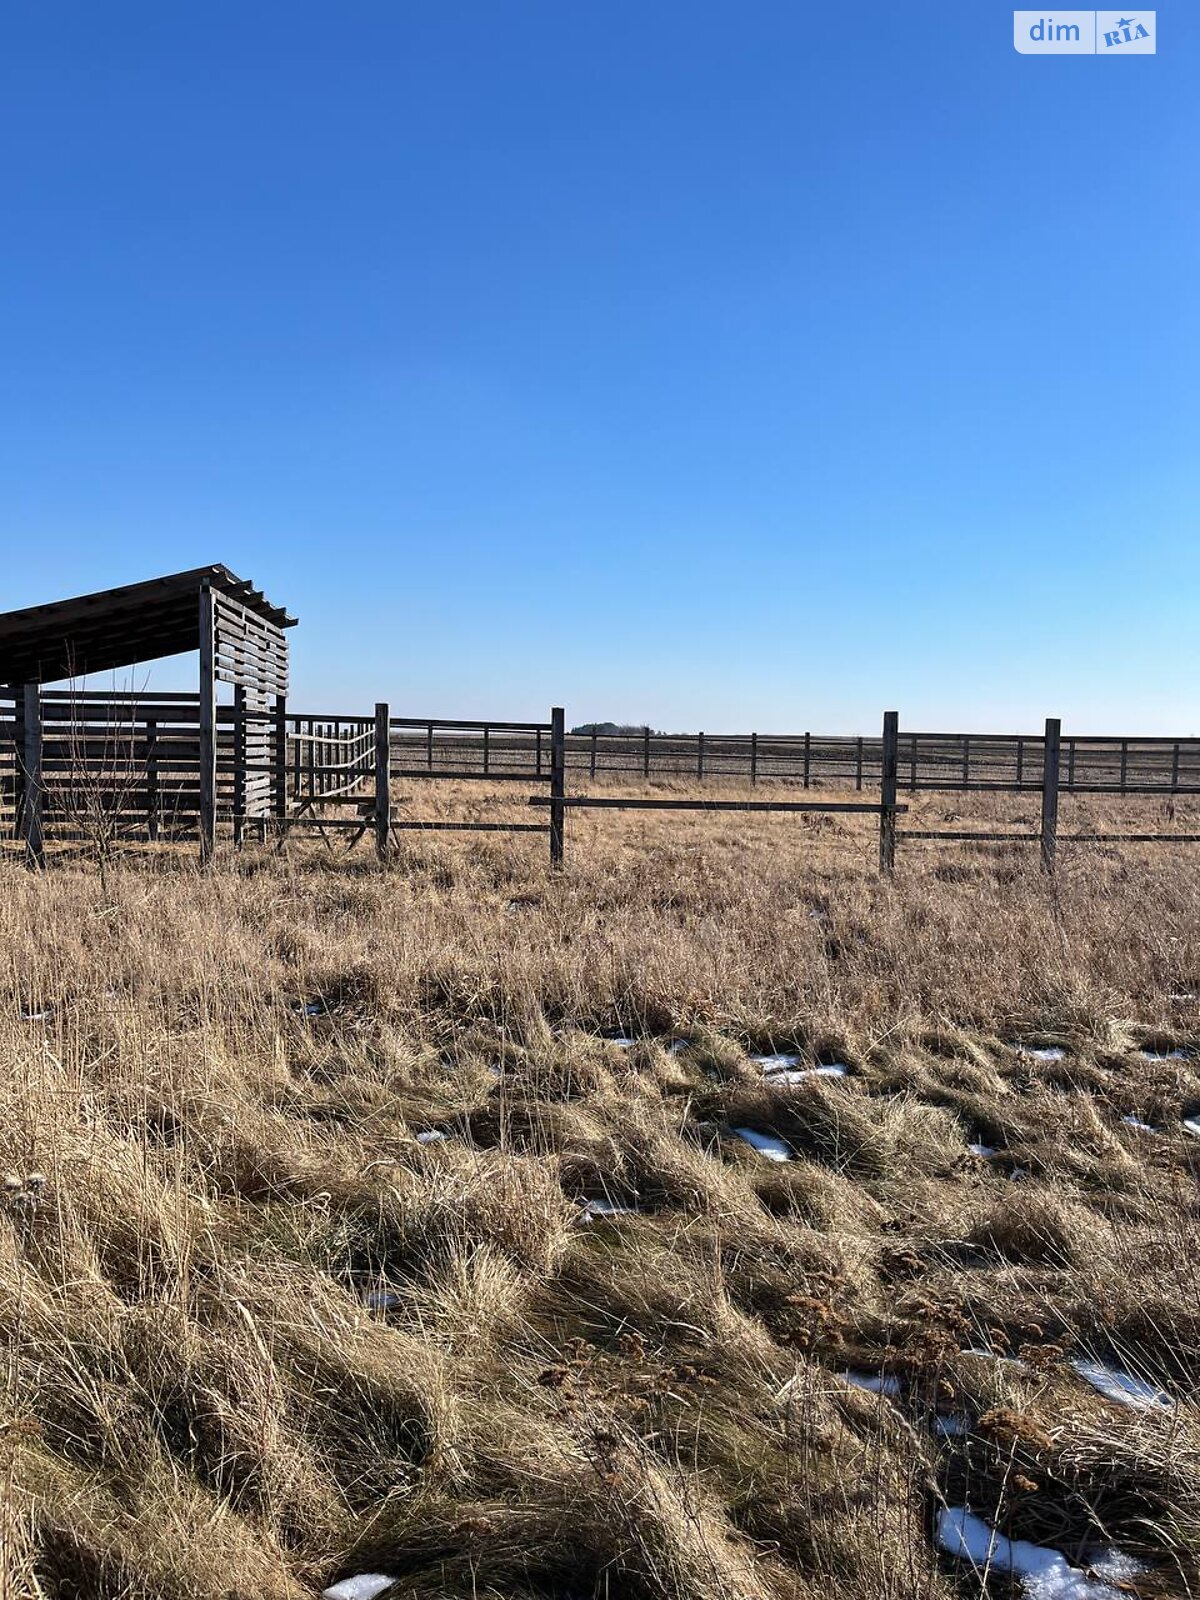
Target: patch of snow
1018 1175
1123 1387
1041 1052
678 1046
623 1041
1163 1055
767 1144
36 1016
604 1207
1181 997
982 1150
1046 1573
994 1355
364 1587
1136 1122
1192 1125
951 1427
787 1069
1114 1566
382 1300
431 1136
873 1383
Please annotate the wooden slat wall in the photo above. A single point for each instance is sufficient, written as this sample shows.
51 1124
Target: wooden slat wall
250 651
134 761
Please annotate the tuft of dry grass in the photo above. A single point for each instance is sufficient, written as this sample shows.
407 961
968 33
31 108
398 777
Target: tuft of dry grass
299 1275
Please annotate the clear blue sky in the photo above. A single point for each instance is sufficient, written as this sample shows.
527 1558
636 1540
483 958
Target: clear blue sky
716 365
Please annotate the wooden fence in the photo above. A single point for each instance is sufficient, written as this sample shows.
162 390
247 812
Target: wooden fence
950 761
103 767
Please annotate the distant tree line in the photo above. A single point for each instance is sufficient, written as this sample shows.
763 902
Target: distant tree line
613 727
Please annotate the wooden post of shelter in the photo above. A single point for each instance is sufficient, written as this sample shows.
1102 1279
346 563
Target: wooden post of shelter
1050 767
152 797
239 765
279 759
558 785
32 818
887 791
383 779
18 759
208 726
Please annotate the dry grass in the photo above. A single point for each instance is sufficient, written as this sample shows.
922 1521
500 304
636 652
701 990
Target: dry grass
257 1335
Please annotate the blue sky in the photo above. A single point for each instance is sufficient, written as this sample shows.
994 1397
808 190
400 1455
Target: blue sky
710 365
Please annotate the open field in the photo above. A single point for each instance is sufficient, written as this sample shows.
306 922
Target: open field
261 1334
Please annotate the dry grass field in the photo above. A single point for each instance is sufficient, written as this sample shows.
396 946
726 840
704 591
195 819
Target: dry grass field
300 1278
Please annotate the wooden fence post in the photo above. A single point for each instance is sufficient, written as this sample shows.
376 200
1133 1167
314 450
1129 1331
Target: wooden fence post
858 762
208 727
32 821
646 753
239 765
383 779
279 759
700 755
152 806
558 785
593 767
753 758
1050 764
807 756
887 791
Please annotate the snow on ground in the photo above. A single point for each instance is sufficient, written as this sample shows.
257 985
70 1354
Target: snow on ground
994 1355
873 1383
951 1427
1046 1574
767 1144
604 1207
788 1069
1041 1052
1123 1387
364 1587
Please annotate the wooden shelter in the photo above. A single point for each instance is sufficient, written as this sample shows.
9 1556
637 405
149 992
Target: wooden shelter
129 752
